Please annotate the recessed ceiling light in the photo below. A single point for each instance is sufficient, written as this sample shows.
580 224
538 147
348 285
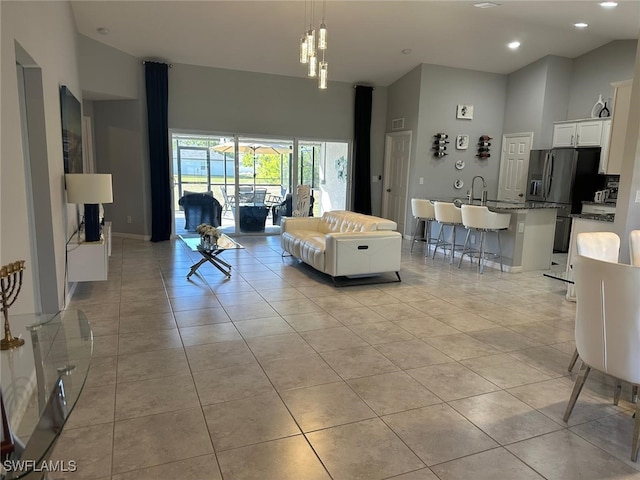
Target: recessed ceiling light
581 25
608 4
103 30
513 45
406 51
486 4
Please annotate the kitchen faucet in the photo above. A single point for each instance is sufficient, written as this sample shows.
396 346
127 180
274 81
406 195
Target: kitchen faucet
483 197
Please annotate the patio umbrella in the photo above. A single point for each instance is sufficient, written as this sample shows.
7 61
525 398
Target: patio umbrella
254 148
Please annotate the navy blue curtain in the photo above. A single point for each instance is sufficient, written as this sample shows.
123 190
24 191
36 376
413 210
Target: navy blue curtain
157 83
362 150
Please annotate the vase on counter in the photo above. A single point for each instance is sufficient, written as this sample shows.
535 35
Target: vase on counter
605 111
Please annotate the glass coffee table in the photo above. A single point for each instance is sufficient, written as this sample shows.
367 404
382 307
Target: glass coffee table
211 255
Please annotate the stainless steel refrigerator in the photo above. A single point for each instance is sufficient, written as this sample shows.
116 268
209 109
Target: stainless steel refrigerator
566 176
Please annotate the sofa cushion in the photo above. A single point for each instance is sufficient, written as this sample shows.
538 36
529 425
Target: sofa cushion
341 221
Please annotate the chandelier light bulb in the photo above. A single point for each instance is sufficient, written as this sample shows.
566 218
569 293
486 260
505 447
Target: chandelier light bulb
322 81
311 43
322 37
313 66
304 49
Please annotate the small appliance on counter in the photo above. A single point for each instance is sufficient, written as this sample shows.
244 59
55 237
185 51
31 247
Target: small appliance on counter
601 196
611 183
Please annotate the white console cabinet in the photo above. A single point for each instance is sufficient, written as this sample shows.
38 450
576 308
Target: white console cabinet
89 261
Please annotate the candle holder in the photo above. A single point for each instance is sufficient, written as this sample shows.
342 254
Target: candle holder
10 285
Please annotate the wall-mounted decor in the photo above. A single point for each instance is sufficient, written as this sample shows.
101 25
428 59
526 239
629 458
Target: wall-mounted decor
464 112
458 184
440 145
71 131
483 147
462 142
459 164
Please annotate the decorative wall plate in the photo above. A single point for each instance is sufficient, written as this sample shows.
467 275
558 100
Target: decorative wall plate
462 142
458 184
460 164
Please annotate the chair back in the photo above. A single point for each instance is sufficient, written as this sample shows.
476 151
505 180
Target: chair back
634 247
600 245
259 195
304 201
607 328
447 213
421 208
480 217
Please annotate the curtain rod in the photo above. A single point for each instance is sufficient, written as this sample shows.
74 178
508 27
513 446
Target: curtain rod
371 86
145 61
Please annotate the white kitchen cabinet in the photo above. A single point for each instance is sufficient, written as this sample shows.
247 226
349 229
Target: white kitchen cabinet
604 152
621 106
564 134
589 134
579 133
89 261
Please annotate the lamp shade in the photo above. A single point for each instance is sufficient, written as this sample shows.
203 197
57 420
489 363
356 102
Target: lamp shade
89 188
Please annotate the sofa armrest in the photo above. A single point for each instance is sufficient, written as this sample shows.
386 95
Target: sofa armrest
299 223
360 253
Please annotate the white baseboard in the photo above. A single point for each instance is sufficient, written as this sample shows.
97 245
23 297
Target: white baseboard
72 289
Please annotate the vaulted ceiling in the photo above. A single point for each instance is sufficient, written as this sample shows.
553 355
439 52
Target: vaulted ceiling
366 38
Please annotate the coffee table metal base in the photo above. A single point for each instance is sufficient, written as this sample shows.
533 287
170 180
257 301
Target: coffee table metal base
212 258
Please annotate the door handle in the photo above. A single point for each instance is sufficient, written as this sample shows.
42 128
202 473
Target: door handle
577 139
388 190
571 140
521 195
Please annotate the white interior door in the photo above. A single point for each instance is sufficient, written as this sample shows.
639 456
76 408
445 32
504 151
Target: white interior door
396 177
514 166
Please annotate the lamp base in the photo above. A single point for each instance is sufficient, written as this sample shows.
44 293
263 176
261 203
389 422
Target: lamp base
91 222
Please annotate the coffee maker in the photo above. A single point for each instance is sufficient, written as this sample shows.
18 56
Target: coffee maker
611 183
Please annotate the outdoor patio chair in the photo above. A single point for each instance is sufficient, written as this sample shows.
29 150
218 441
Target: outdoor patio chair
200 208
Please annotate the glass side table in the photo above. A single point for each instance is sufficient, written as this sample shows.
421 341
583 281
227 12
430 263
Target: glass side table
41 382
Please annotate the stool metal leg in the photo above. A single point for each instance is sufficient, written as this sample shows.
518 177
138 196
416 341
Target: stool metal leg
415 231
500 250
440 236
464 248
453 244
482 252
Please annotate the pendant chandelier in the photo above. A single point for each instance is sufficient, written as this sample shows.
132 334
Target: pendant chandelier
312 45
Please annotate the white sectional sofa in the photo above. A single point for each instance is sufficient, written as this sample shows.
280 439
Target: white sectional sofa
342 243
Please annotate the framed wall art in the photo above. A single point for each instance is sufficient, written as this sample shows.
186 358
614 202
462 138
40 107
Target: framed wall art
71 113
464 112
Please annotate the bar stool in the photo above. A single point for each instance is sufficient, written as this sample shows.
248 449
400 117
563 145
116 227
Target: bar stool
447 215
480 219
422 210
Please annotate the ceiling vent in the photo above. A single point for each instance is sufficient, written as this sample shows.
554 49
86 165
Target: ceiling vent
397 124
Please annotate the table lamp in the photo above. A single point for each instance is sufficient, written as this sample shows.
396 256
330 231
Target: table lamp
90 189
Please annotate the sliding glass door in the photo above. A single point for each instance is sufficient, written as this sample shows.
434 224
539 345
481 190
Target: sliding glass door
254 178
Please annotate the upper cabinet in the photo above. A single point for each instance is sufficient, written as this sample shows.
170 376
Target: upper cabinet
621 105
579 133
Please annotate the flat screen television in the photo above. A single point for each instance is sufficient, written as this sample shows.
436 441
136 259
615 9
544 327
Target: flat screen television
71 112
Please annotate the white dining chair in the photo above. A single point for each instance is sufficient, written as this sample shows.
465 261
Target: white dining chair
602 246
607 330
634 247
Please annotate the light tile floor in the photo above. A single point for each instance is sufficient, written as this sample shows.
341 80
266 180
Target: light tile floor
277 374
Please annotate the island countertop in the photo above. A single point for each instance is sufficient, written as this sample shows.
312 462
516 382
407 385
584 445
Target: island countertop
606 217
500 205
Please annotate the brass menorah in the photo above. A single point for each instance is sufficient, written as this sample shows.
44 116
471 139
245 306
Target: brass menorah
10 285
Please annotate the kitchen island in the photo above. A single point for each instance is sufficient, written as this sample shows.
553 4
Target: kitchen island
528 242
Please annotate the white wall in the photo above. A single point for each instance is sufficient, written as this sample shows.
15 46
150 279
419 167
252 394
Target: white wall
593 73
46 31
